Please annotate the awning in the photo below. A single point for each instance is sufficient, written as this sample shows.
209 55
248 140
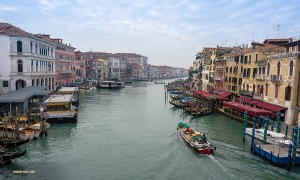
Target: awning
226 93
255 102
271 107
221 98
250 110
216 91
244 99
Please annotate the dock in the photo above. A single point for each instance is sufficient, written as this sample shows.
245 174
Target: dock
276 154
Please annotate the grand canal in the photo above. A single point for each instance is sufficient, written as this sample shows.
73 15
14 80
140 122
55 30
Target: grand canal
131 134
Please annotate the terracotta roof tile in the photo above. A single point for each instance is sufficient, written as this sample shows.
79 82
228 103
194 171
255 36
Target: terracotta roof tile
271 47
6 28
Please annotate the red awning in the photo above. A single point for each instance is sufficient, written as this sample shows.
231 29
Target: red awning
271 107
226 93
244 99
216 91
221 98
255 102
251 110
228 104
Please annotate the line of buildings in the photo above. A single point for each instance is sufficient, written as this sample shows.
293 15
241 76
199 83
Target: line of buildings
38 60
266 73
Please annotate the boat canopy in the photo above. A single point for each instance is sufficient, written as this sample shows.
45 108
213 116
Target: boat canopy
183 124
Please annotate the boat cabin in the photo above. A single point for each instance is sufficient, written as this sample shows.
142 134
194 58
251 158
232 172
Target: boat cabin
71 90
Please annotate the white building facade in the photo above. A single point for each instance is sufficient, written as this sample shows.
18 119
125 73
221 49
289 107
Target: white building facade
26 60
114 68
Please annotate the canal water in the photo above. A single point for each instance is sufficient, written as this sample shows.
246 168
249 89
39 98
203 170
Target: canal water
130 133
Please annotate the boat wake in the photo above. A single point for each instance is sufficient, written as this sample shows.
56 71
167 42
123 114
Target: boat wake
223 168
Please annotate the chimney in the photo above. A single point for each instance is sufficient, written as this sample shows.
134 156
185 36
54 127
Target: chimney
290 40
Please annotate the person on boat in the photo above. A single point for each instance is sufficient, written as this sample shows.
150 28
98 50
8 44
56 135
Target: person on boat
43 126
41 112
187 129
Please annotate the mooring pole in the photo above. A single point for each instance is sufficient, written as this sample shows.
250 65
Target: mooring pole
245 124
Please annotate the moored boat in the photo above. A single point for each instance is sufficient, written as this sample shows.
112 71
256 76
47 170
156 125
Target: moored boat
195 139
4 162
111 84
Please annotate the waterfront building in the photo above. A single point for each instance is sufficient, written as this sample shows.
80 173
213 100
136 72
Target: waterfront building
233 78
80 66
212 67
113 68
26 60
196 80
220 67
282 81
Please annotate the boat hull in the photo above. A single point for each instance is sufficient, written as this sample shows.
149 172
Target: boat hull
200 148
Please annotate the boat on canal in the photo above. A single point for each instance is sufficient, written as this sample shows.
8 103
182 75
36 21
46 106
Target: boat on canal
4 162
159 82
12 143
6 155
195 139
111 85
60 109
71 90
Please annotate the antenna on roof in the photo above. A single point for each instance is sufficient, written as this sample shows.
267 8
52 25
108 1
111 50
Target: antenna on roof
278 25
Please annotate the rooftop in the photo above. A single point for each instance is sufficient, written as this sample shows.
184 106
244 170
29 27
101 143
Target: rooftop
6 28
24 94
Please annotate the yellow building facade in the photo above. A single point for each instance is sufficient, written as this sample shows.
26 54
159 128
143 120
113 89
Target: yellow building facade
282 81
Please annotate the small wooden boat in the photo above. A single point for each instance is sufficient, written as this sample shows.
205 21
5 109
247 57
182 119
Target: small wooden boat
12 143
195 139
158 82
4 162
12 155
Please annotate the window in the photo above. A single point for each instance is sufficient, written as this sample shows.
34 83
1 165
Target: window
256 58
276 90
268 69
19 46
20 65
249 59
291 68
240 80
229 79
288 91
241 69
254 72
229 87
261 89
267 89
278 68
246 59
5 83
31 47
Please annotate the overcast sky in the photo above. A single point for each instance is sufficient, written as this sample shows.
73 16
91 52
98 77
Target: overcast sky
168 32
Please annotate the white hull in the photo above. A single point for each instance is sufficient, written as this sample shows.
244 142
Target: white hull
272 137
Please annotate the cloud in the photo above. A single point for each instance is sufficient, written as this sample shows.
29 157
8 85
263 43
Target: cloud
170 29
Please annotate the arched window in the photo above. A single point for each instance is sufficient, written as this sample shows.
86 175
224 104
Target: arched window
247 87
253 89
241 69
261 89
291 68
278 68
230 69
288 92
31 47
258 89
268 69
263 70
243 86
20 65
267 89
19 46
32 83
36 51
259 70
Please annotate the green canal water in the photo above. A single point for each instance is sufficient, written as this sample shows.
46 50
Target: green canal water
131 134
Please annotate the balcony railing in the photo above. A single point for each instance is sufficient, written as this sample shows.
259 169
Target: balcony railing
217 78
65 60
33 73
276 78
245 92
258 96
65 71
259 76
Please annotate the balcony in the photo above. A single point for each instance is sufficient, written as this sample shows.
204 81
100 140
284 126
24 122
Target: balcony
217 78
65 60
219 66
276 78
259 76
33 73
258 96
65 71
245 92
